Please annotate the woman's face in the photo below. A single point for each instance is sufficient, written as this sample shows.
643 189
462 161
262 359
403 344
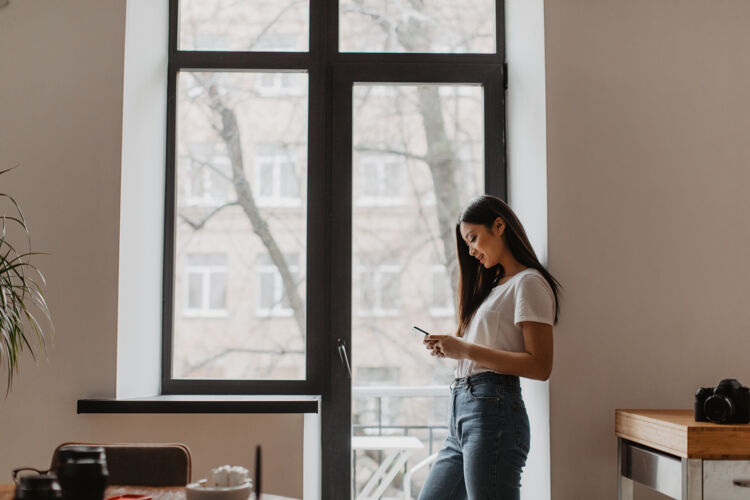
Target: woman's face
485 244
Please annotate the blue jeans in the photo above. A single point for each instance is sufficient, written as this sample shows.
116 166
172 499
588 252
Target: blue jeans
488 442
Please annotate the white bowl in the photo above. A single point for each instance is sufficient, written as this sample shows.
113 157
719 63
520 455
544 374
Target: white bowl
197 492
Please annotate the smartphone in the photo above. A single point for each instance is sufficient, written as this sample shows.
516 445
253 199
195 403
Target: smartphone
416 329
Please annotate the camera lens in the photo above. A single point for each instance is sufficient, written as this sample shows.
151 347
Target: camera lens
719 409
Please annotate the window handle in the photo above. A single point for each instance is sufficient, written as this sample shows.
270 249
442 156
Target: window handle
342 355
742 483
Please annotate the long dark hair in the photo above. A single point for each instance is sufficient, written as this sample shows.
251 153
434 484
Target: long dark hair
475 282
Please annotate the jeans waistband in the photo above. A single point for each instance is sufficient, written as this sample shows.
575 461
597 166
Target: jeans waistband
510 383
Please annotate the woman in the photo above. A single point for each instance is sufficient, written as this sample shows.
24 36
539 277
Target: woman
507 304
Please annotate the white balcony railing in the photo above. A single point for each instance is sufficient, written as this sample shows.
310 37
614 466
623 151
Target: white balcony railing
406 437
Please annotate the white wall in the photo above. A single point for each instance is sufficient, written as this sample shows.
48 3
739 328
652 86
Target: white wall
142 198
527 195
61 115
648 114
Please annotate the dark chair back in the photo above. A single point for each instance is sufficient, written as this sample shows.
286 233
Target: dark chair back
143 464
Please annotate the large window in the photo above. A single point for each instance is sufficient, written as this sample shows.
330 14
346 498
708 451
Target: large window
318 154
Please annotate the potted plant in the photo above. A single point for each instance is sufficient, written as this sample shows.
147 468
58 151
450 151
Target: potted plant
21 297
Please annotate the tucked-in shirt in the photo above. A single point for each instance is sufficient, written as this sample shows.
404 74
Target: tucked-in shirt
526 296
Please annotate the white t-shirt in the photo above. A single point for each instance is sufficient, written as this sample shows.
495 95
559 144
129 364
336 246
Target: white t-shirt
526 296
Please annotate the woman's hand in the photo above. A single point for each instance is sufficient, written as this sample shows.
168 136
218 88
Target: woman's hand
433 347
447 346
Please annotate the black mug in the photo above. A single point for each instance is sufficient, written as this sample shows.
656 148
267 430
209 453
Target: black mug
82 472
41 486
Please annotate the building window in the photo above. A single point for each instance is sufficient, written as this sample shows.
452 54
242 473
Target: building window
381 180
378 289
206 277
272 298
441 296
278 85
276 175
208 176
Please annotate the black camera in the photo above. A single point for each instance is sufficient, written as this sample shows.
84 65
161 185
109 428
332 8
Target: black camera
727 403
82 471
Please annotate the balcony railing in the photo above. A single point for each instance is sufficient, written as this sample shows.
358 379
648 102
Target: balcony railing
385 424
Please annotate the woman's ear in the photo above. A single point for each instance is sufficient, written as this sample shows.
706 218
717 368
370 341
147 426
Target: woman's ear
500 226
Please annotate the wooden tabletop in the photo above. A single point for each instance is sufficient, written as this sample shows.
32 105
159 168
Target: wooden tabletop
676 432
160 493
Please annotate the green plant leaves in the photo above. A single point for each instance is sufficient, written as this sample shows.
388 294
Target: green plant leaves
21 296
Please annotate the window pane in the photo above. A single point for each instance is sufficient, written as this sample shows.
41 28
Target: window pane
266 179
393 179
218 291
278 181
195 292
390 290
289 184
367 179
267 290
232 337
251 25
364 289
409 140
422 146
436 26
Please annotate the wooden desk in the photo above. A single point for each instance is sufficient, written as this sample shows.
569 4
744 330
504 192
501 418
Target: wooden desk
176 493
670 452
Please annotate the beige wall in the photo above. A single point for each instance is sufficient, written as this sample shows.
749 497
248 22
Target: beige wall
61 68
648 169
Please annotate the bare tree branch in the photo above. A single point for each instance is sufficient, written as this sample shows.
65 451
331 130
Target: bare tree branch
196 225
405 154
207 361
273 21
229 131
210 166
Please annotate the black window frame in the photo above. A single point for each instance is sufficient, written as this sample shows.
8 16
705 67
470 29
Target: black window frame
330 74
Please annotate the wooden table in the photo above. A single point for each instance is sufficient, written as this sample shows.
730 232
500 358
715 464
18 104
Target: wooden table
158 493
670 452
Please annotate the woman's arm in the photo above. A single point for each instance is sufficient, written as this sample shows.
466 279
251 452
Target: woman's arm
534 363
